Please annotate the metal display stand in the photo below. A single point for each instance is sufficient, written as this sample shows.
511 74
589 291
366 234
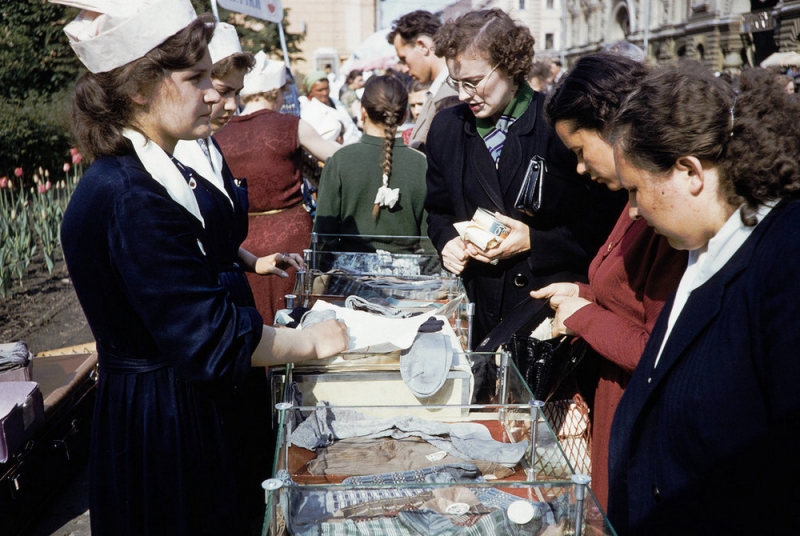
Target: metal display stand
543 477
540 492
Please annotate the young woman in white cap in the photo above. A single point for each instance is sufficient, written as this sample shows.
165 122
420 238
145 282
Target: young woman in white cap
172 344
224 205
265 147
204 158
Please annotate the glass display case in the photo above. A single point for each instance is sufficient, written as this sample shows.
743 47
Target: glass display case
363 448
399 272
384 468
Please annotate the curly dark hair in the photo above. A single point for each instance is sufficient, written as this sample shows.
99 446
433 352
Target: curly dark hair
746 131
240 61
411 25
492 34
385 100
591 93
103 104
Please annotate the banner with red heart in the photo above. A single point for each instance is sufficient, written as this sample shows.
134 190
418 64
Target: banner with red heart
269 10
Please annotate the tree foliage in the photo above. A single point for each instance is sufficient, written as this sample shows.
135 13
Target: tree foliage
34 52
37 72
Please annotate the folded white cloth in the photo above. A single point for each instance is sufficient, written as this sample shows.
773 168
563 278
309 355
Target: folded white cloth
374 334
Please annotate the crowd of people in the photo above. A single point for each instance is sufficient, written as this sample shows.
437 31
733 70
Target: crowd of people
664 233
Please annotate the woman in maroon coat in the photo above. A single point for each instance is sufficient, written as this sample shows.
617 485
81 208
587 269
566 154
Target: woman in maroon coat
634 272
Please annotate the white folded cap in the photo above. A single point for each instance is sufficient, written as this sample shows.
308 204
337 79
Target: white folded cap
265 76
111 33
224 43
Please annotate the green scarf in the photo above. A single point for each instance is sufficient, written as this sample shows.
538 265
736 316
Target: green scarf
494 135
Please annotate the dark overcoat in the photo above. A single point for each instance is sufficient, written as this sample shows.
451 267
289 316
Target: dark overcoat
576 217
706 442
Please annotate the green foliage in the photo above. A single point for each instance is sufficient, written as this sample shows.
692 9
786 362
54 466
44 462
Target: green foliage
34 132
34 51
37 71
30 220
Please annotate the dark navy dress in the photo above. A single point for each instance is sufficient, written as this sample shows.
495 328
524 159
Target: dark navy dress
247 414
173 349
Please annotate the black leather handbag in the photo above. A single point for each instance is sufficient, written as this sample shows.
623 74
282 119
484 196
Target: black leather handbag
529 198
545 364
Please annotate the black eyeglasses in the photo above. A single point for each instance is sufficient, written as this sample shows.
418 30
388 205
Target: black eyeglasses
468 87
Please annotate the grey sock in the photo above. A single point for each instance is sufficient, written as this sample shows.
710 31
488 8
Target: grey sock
425 365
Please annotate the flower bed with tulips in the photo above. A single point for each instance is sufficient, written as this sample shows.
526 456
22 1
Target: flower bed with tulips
35 290
31 220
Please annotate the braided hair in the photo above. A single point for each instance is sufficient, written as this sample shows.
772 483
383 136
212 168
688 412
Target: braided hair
385 100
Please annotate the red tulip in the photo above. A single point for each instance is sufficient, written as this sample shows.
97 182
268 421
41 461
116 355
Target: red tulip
3 182
76 158
42 188
18 172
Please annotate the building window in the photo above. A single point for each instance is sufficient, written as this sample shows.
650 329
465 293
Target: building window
548 41
522 4
549 4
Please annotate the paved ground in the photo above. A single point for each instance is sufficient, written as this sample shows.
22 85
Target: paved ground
68 513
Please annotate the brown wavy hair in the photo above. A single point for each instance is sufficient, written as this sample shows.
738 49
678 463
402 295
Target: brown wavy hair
385 100
103 104
748 131
491 34
240 61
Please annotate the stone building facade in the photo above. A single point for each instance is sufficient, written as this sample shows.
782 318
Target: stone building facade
718 33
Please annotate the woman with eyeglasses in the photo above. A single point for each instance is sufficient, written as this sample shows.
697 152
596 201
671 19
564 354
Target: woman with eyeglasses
478 155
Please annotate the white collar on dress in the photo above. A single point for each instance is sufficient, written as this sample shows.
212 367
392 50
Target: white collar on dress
190 153
706 261
164 171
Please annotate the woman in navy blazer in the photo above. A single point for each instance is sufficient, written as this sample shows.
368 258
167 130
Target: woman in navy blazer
704 439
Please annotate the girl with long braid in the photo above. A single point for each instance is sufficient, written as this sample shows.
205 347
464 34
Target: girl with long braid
374 187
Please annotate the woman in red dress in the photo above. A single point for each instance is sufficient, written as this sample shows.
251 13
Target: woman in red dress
634 272
264 146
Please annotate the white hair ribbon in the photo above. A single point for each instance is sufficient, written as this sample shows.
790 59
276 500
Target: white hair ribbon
387 197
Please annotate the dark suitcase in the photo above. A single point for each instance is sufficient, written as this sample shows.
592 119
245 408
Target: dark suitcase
60 446
21 413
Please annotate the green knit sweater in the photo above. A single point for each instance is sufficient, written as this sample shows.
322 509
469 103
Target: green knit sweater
350 181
